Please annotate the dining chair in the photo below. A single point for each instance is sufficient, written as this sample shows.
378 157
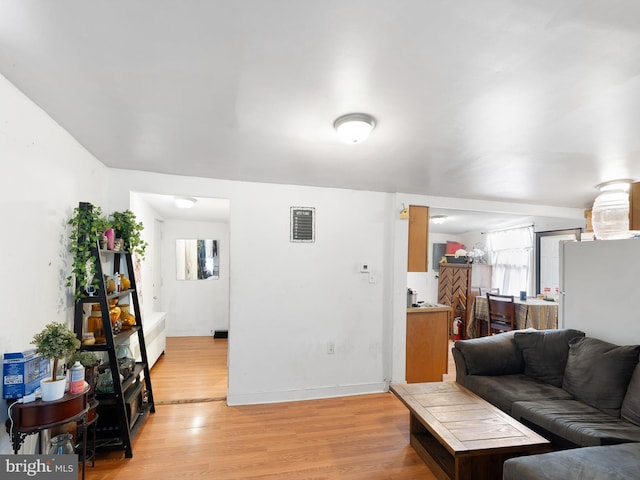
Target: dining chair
484 291
501 313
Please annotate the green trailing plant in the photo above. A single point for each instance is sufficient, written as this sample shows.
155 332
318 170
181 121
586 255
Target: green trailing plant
55 342
102 224
87 226
130 230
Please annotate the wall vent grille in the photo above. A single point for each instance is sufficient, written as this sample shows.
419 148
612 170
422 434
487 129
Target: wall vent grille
303 224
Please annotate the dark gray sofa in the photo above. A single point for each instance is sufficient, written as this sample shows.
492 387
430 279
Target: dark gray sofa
577 391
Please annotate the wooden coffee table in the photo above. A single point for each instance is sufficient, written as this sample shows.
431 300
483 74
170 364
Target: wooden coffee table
461 436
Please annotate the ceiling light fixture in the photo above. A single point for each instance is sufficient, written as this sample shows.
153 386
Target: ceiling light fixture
354 127
615 185
610 211
185 202
439 219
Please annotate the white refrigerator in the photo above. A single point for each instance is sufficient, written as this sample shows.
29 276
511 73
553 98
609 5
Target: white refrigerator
600 289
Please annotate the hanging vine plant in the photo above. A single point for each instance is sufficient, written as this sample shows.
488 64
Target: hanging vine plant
86 228
130 230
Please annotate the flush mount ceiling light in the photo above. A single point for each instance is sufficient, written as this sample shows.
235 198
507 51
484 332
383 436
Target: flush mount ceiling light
185 202
354 127
439 219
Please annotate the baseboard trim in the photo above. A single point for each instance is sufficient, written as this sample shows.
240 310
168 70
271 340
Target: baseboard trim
307 394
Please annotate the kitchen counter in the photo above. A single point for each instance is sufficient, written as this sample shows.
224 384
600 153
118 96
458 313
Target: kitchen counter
427 343
430 308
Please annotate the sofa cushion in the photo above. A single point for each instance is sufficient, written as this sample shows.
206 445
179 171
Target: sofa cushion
545 353
571 420
631 404
617 462
598 372
493 355
503 390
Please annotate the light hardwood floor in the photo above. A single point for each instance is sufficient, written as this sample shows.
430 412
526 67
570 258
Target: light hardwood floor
359 437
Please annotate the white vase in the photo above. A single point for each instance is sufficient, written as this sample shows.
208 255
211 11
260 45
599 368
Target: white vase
53 390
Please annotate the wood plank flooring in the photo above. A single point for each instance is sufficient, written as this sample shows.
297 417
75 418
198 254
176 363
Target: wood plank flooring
351 438
191 369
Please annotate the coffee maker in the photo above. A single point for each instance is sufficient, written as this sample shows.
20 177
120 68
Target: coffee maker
412 298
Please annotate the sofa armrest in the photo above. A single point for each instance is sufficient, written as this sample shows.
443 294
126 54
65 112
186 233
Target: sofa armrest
461 366
493 355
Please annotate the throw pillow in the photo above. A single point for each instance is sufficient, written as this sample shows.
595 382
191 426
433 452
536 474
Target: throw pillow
631 403
493 355
545 353
598 372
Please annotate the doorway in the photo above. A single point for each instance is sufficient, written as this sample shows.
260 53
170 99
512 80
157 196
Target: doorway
195 308
548 257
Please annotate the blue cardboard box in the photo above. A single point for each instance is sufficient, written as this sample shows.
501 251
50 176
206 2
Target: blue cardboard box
22 372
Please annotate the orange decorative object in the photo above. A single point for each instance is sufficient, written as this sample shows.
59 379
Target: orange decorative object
128 320
111 285
114 314
125 282
94 323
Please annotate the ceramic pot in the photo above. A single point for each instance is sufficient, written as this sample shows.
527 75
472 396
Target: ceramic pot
53 390
111 238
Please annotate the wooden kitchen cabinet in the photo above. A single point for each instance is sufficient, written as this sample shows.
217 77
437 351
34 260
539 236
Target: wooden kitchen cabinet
427 344
418 251
462 281
634 206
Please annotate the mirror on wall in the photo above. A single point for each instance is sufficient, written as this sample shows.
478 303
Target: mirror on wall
197 259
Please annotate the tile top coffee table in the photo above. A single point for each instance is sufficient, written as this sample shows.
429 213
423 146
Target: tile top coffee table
461 436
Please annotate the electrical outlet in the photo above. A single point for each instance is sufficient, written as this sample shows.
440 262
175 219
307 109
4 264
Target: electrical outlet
331 348
372 278
364 268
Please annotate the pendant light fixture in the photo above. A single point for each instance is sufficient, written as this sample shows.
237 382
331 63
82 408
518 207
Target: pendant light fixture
354 127
610 212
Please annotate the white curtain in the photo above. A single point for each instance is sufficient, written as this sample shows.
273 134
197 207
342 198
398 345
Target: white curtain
511 254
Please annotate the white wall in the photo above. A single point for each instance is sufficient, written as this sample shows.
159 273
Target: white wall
146 214
45 173
288 300
195 307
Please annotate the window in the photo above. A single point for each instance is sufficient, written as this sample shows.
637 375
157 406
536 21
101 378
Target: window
511 254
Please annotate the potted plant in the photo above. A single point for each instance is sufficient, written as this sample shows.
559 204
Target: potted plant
55 342
103 225
90 361
130 231
87 227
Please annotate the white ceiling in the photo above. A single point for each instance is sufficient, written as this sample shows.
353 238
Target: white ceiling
204 210
512 100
